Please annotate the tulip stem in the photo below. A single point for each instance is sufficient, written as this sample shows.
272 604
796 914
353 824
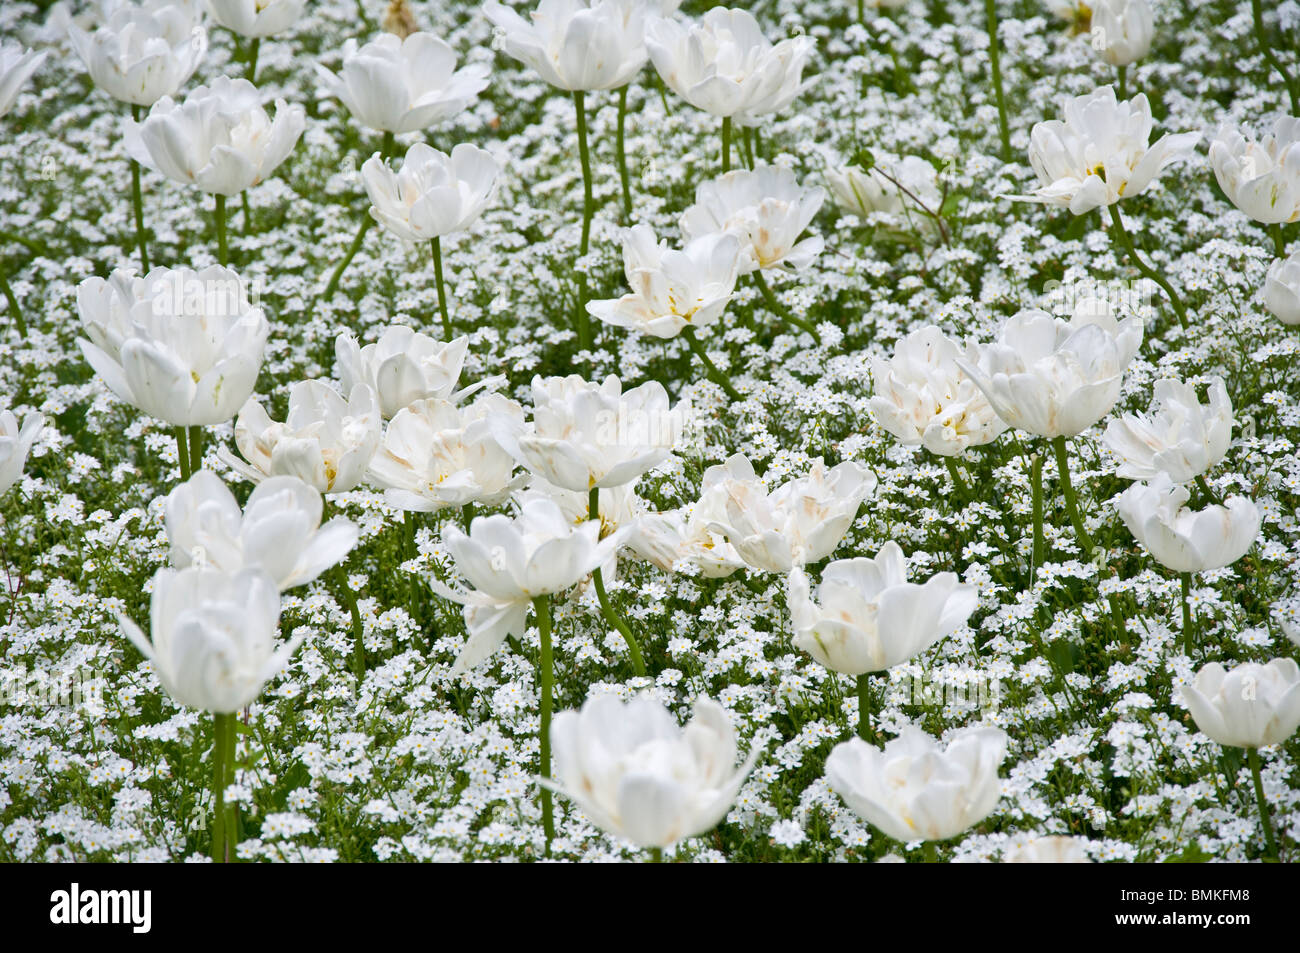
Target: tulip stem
223 252
865 731
385 150
442 291
467 515
137 203
12 302
656 855
958 484
1257 11
1126 240
1071 501
606 608
726 144
542 607
1185 579
582 323
196 449
1036 490
995 61
1210 495
1252 754
620 150
1121 74
1279 242
747 141
358 630
183 453
780 310
243 201
710 368
930 852
252 59
222 727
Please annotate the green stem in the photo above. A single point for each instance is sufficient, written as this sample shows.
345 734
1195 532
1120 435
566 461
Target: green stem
196 449
12 302
243 201
408 535
656 855
183 452
1189 632
865 731
995 60
1265 821
232 809
582 323
137 203
542 607
726 144
442 291
1279 242
606 608
1210 496
1121 73
385 150
780 310
223 253
1257 11
252 59
1036 489
747 143
619 150
715 375
467 515
862 11
930 852
958 484
1071 501
222 725
1126 240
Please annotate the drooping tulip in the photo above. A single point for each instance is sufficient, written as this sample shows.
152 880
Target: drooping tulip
870 617
1182 439
403 85
327 440
219 139
183 346
638 776
1183 539
278 531
915 790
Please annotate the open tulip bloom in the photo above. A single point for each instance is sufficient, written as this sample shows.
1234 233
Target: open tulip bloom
640 777
915 790
1251 706
1261 177
405 366
1122 31
15 444
1281 291
1182 439
256 18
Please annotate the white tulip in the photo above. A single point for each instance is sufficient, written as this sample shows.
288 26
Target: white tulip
1183 539
1183 439
256 18
16 67
800 522
140 55
218 139
638 776
183 346
574 44
924 398
586 435
403 85
1250 706
436 455
684 537
434 194
865 193
766 209
1048 850
1122 30
326 441
870 617
1262 178
278 531
212 639
1282 289
510 562
404 366
15 444
1099 153
672 290
914 790
1055 378
723 64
